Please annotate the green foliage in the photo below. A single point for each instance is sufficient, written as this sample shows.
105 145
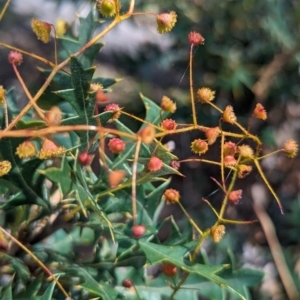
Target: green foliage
76 220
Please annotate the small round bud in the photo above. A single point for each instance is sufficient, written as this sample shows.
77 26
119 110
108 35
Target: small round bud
171 196
244 170
195 38
41 29
229 148
5 167
290 148
15 58
234 197
212 134
229 161
85 159
154 164
114 108
245 151
167 104
147 135
199 146
26 150
229 115
217 233
175 164
50 150
205 95
138 231
260 112
115 177
127 283
168 124
166 21
2 94
169 269
116 145
53 116
107 8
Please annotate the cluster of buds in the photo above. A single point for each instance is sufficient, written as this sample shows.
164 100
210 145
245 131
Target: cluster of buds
50 150
116 145
168 105
108 8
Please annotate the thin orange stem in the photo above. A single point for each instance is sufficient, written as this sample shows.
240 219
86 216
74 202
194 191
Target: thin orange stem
190 219
270 154
236 222
261 173
212 208
37 57
39 262
200 160
162 134
38 110
222 163
134 172
141 120
55 44
56 129
4 9
192 88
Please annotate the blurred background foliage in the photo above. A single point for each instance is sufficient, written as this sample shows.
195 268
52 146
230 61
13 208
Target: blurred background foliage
251 54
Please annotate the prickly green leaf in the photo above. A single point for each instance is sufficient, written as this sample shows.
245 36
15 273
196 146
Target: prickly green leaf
6 294
154 114
49 292
21 175
175 254
95 288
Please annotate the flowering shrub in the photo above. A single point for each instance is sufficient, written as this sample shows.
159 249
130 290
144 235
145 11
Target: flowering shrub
72 232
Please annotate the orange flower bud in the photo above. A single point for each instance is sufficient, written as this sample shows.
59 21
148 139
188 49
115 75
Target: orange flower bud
205 95
85 158
260 112
195 38
169 269
212 134
229 115
168 124
167 104
5 167
229 148
171 196
217 233
154 164
244 170
229 161
50 150
290 148
246 151
15 58
116 145
115 177
199 146
114 108
41 29
234 197
26 150
107 7
147 135
53 116
166 21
